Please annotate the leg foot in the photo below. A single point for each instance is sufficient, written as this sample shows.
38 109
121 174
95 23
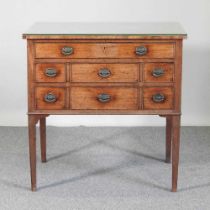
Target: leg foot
33 189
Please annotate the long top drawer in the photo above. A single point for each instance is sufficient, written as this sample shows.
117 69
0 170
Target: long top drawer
104 50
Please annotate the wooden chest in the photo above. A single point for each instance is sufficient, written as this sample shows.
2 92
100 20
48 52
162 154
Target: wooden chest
105 68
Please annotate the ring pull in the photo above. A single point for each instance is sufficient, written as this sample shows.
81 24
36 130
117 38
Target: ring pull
50 98
159 97
104 97
141 50
158 72
50 72
104 73
67 50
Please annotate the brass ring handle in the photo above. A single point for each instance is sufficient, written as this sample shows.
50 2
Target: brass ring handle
50 98
104 97
141 50
159 97
158 72
104 73
50 72
67 50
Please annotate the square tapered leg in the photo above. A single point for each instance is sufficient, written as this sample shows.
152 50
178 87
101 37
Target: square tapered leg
175 150
43 138
32 149
168 138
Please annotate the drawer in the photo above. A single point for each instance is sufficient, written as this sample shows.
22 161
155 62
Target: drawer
104 72
50 72
50 98
104 50
158 98
104 98
158 72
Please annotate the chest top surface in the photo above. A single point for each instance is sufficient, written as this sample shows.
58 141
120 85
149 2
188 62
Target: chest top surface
106 30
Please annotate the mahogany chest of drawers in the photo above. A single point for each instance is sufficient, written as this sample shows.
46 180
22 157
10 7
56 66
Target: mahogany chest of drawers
105 68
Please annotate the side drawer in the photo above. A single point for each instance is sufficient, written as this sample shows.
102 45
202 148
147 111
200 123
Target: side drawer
104 50
158 72
158 98
50 72
104 72
103 98
50 98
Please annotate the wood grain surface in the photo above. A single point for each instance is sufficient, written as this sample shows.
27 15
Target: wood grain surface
118 72
104 50
121 98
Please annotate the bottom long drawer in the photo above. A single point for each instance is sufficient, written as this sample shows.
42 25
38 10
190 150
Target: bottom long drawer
104 98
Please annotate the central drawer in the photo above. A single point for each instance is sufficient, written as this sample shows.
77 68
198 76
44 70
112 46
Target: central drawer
104 72
104 50
104 98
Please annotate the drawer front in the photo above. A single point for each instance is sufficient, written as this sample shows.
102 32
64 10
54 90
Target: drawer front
104 98
158 72
104 50
50 98
158 98
50 72
105 72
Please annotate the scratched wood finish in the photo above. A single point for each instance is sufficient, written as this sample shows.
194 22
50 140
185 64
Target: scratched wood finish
121 98
104 50
118 72
148 94
40 74
168 72
60 94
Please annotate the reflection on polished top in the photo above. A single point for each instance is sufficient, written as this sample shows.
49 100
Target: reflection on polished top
106 29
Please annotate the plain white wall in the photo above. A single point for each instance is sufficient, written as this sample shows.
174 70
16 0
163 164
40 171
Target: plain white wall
17 16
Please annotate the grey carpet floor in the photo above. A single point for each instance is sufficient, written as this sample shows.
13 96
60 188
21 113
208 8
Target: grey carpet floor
105 168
